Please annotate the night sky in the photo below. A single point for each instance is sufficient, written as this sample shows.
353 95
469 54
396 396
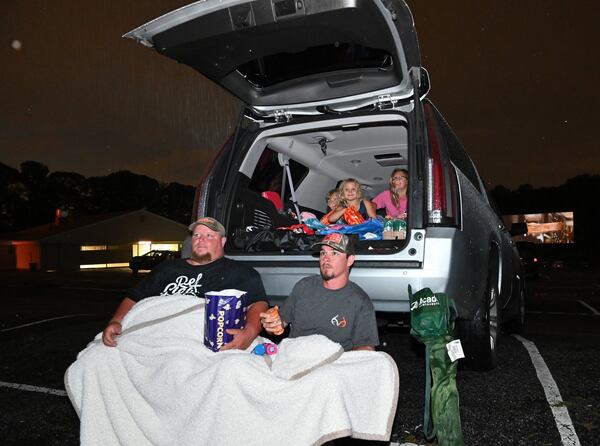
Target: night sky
516 80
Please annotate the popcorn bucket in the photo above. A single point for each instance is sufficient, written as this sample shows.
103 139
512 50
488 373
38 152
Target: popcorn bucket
224 309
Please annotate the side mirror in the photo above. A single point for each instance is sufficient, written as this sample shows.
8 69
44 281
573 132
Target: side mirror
518 229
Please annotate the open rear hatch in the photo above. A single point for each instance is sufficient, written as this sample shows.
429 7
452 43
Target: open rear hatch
294 56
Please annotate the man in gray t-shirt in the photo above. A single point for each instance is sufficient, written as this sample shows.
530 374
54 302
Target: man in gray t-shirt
330 305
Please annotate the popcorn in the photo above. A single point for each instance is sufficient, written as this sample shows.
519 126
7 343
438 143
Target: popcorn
224 309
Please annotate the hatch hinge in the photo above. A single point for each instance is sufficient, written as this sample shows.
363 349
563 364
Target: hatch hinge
282 116
386 101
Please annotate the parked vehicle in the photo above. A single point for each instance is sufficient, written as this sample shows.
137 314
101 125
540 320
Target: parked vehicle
529 259
151 259
331 90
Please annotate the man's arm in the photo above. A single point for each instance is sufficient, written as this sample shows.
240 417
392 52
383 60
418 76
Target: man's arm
242 338
113 328
365 335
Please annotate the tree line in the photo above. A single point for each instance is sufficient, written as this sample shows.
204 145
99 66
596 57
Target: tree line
579 194
29 196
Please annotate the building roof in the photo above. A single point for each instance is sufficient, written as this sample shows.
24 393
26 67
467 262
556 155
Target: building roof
52 230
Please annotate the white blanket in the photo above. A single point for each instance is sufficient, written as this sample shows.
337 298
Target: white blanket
161 386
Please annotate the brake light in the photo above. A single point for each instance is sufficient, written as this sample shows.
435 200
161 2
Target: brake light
442 200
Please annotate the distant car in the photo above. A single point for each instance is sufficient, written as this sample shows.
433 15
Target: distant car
151 259
529 259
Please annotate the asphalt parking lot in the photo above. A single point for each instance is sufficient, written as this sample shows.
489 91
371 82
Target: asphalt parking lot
46 319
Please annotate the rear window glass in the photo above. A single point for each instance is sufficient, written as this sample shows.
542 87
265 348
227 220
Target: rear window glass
268 174
281 67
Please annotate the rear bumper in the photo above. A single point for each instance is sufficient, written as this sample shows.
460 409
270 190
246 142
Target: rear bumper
442 264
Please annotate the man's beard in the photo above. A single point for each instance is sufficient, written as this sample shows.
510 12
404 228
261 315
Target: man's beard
326 276
202 259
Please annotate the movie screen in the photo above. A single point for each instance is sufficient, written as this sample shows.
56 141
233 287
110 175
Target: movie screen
547 228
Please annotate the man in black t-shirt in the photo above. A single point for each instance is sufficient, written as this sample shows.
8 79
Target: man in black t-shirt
206 270
330 305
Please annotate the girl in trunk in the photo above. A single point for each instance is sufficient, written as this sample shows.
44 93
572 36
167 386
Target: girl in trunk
395 199
354 207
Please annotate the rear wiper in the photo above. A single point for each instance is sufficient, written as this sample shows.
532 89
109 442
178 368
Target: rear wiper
325 109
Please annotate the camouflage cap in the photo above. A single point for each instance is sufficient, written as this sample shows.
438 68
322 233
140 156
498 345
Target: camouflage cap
210 223
339 242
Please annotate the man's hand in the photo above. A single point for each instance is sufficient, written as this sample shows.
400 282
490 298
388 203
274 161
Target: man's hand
271 322
112 330
242 338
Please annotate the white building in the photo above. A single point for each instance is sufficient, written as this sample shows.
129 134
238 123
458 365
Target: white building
101 241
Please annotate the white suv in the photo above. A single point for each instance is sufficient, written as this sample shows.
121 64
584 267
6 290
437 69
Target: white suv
335 89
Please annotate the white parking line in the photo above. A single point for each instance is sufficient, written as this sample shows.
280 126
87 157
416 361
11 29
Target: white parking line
33 388
559 409
589 307
44 320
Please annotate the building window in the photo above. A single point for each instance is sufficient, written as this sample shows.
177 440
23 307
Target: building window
93 248
142 247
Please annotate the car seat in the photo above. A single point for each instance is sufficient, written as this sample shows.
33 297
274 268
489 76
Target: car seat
260 211
274 198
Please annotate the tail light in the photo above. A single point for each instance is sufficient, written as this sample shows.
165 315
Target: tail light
442 198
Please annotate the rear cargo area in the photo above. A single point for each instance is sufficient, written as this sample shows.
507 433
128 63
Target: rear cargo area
283 182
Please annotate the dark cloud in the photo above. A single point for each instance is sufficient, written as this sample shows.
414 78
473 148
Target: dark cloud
79 97
516 80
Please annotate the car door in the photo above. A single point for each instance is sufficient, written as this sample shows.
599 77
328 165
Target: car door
295 56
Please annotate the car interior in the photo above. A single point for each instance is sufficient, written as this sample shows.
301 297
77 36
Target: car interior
315 160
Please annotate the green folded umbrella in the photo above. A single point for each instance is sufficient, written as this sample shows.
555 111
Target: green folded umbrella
432 322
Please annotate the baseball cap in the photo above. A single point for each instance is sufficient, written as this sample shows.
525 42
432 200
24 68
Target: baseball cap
210 223
339 242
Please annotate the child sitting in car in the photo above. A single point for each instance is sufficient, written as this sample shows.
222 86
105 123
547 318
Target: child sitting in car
354 208
333 202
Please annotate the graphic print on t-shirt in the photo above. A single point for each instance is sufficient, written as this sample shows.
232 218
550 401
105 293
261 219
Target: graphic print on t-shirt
183 285
336 321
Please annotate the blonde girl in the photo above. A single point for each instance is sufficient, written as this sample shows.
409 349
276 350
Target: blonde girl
352 197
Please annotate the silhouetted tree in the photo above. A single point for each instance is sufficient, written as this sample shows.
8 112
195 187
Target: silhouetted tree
66 189
503 198
30 197
12 196
8 175
40 209
33 174
177 202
